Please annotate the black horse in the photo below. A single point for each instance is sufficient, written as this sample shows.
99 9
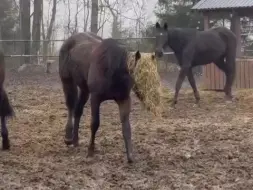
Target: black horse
193 48
5 106
100 68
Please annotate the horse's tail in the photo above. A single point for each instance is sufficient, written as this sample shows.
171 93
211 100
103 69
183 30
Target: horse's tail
64 56
6 109
231 52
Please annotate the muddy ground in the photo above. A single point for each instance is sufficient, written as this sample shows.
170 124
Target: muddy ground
206 147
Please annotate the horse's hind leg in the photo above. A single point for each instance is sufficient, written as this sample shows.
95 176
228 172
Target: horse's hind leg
5 111
83 97
193 85
124 110
230 76
70 93
229 72
179 83
4 133
95 122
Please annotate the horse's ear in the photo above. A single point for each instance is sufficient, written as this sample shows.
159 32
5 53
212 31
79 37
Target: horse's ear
153 57
165 26
137 55
157 25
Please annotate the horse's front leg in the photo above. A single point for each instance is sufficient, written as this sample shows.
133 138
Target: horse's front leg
180 79
124 110
193 85
185 62
4 133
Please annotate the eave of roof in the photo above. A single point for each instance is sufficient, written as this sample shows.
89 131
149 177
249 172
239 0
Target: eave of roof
205 5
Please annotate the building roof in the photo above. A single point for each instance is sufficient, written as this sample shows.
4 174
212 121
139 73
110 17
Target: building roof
222 4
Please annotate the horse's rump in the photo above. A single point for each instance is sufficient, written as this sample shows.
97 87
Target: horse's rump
225 35
69 44
95 36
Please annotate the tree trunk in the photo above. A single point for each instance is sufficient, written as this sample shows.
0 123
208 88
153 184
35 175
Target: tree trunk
86 13
48 35
94 16
1 44
25 28
37 15
115 28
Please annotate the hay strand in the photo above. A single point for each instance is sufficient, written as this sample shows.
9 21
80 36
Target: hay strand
147 83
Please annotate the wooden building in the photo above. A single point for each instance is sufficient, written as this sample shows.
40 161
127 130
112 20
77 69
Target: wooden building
214 79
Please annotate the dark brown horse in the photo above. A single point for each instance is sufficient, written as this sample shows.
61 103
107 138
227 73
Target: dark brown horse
195 48
5 107
100 69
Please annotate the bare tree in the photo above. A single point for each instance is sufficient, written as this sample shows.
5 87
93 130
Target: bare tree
69 18
47 34
25 25
86 11
94 16
139 10
102 18
114 10
36 29
117 9
78 10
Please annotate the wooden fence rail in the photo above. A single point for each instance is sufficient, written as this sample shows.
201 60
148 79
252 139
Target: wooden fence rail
214 78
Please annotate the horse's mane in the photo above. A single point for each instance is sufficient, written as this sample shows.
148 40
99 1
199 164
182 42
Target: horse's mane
111 56
179 37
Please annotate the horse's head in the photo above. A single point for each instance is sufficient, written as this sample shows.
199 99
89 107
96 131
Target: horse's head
136 57
161 39
146 79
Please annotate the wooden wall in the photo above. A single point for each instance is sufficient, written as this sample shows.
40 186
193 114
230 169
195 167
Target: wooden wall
214 79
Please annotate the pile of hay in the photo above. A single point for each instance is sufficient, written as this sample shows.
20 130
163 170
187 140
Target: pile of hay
147 83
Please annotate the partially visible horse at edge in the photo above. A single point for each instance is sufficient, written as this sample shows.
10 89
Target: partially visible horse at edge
193 48
6 109
100 69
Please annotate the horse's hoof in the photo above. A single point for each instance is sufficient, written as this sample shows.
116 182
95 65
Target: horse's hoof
173 104
196 105
68 142
75 143
6 145
90 153
229 101
130 160
234 99
230 98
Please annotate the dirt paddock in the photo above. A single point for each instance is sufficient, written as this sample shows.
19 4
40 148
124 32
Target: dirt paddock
206 147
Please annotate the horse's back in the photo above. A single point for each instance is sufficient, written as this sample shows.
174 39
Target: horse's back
213 44
108 72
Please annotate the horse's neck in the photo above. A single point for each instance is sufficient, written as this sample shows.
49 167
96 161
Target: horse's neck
131 61
178 40
175 42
